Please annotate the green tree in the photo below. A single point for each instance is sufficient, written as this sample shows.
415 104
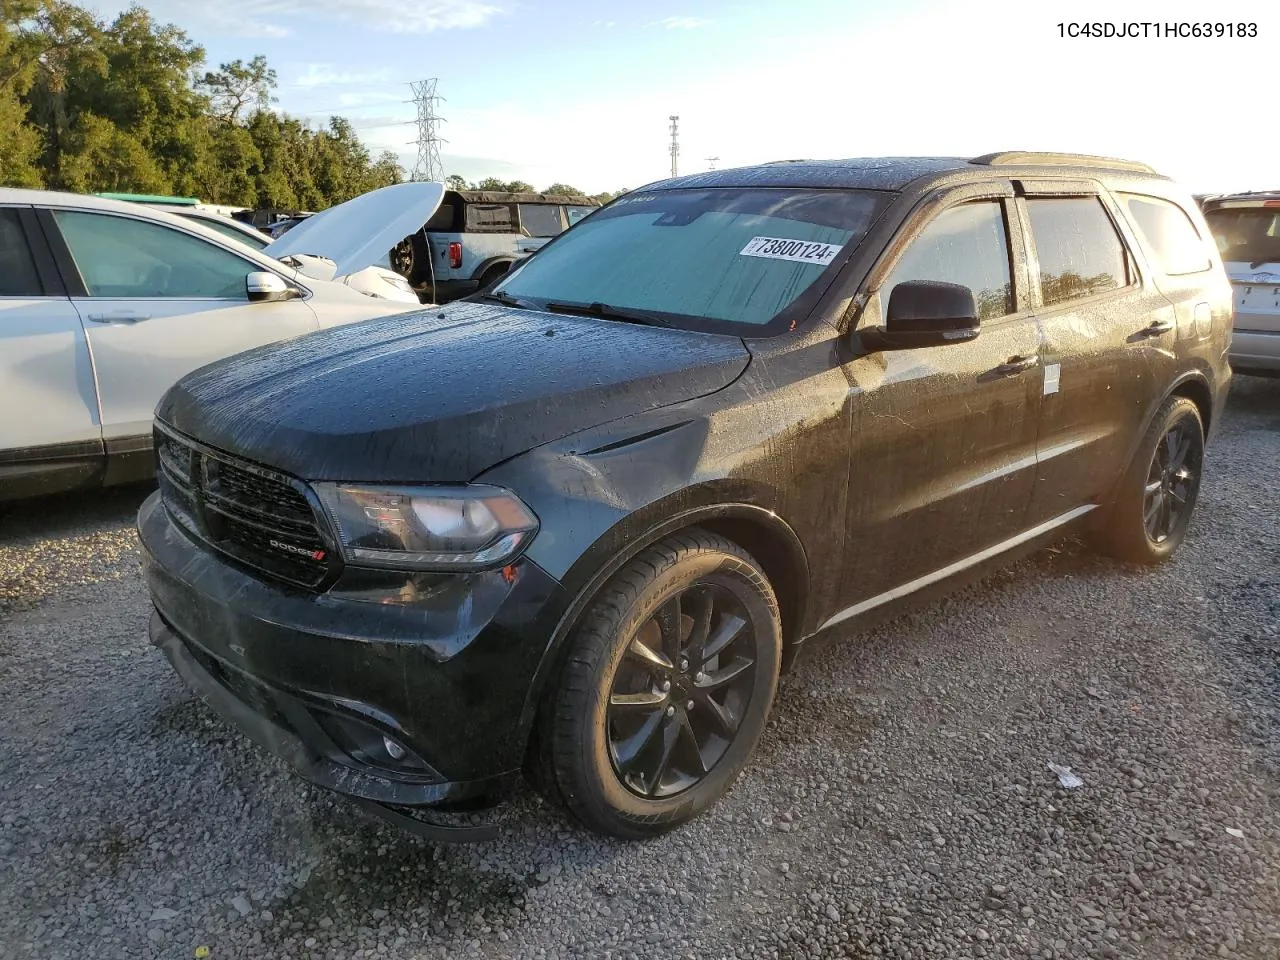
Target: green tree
129 106
237 86
456 182
563 189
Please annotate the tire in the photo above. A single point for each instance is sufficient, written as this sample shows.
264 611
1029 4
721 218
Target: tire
1154 502
493 275
411 258
608 721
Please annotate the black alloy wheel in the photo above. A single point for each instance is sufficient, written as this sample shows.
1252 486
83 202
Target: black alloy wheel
681 691
1172 481
1151 509
665 688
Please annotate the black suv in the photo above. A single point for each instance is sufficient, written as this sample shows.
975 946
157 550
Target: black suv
577 525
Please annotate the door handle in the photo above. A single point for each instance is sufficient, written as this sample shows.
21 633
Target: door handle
1155 328
1017 365
117 317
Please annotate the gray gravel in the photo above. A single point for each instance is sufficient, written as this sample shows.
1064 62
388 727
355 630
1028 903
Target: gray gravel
900 805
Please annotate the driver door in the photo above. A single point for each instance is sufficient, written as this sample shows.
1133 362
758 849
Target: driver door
944 437
156 303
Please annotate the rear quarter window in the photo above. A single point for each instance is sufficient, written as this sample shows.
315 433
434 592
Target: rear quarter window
1165 230
490 218
444 220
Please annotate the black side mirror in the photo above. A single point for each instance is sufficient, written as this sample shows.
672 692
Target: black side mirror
925 313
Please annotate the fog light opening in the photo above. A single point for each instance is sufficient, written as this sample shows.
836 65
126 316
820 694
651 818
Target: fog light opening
394 750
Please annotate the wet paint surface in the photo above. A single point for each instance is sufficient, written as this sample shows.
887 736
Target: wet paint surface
440 395
847 473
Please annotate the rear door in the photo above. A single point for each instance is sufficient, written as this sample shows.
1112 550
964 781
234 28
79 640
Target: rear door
50 436
156 303
1109 338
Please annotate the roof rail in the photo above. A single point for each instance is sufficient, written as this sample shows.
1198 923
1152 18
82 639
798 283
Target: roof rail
1015 157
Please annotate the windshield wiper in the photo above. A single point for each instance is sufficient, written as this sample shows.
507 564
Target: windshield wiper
504 298
603 310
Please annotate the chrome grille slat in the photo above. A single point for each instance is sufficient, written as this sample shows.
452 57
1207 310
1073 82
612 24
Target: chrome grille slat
250 514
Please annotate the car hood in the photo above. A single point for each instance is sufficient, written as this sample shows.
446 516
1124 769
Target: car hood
440 395
358 233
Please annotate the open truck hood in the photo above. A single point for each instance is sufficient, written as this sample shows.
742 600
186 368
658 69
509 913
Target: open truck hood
361 232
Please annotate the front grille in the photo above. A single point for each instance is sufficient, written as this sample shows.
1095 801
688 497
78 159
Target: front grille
256 516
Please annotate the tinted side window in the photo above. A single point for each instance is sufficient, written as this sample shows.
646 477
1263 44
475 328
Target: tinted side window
1168 233
122 257
575 213
18 277
1080 252
967 245
490 218
442 220
541 219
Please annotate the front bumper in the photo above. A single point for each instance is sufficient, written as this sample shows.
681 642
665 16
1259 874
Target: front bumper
320 679
1255 352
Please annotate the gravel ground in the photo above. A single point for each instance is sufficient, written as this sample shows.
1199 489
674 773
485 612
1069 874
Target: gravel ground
900 804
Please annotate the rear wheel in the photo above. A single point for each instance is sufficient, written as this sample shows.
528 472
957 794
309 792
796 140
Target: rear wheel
1158 493
493 275
666 689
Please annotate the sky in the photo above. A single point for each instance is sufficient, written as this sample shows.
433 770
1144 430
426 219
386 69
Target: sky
580 92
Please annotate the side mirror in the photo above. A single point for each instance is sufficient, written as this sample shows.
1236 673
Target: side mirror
263 285
925 313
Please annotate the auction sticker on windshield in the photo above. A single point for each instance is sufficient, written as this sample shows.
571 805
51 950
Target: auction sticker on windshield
801 251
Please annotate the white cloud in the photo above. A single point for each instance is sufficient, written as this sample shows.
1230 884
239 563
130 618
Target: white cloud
683 23
324 75
275 18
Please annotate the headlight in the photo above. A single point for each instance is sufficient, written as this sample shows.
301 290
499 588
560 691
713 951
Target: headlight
400 283
428 528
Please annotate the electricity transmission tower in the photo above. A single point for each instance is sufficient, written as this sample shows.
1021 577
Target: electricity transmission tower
429 165
675 142
712 161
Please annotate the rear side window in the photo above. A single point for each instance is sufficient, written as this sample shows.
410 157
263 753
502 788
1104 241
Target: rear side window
967 245
490 218
576 213
442 221
541 219
1080 252
1168 233
18 277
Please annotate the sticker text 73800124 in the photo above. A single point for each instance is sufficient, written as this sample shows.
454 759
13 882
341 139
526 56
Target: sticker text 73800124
801 251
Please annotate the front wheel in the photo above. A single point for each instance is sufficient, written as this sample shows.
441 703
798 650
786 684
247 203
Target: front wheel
1153 505
666 689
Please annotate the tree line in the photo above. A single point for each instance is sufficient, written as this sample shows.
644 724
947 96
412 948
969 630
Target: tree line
129 106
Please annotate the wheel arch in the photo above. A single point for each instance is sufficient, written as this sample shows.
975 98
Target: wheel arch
1196 389
1192 385
761 532
502 260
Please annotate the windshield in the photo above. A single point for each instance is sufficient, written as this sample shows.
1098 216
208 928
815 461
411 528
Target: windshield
1247 234
704 258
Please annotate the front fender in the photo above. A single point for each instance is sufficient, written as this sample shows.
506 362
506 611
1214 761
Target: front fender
600 505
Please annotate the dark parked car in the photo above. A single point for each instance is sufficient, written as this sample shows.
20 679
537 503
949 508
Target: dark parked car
577 525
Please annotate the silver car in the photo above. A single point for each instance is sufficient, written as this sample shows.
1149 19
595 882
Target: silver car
1246 227
105 303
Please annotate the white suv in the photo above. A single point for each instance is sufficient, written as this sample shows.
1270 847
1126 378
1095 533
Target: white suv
1247 229
105 303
